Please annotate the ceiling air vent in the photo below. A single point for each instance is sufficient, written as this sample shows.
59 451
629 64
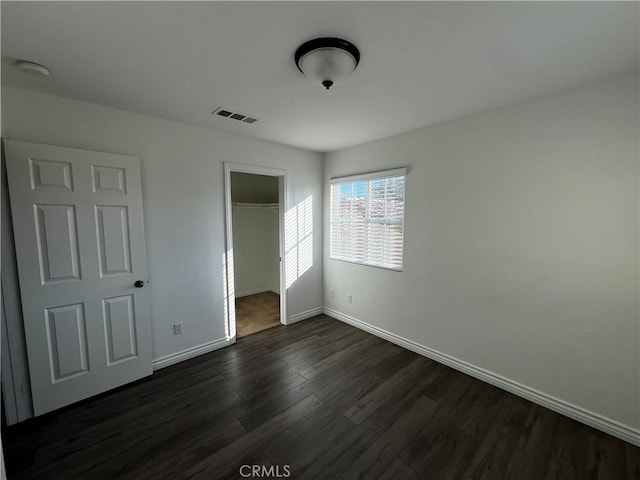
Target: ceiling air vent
240 117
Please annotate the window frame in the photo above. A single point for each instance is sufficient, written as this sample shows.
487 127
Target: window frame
367 177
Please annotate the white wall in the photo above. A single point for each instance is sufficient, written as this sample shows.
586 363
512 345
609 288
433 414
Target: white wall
256 249
521 244
183 197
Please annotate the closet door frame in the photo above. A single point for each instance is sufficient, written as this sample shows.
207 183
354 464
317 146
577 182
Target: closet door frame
230 311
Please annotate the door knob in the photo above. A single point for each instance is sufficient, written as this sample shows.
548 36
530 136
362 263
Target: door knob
139 283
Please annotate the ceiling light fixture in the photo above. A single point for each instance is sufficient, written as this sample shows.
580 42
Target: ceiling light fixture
32 68
327 59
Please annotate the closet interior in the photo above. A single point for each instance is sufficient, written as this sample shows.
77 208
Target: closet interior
256 245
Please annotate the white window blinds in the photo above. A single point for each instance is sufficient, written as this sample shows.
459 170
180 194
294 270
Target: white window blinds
367 218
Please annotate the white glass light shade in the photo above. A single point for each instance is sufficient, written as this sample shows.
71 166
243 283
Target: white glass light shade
327 64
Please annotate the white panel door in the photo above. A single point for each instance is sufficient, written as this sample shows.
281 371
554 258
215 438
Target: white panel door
78 227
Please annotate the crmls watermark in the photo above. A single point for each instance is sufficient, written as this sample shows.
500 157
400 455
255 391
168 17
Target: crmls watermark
265 471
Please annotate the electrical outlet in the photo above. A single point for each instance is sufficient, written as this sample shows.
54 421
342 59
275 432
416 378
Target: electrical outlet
177 328
333 293
349 298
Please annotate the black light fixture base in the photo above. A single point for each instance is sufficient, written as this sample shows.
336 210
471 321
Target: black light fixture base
326 42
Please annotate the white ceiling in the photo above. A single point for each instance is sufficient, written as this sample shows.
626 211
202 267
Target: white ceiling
421 63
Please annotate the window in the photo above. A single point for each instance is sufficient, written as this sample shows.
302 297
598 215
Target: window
367 218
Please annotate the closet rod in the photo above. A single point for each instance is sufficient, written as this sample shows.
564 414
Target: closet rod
255 205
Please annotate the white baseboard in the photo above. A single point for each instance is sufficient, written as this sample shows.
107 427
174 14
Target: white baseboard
177 357
192 352
304 315
607 425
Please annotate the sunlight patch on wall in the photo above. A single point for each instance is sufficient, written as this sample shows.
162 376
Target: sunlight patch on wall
298 233
229 294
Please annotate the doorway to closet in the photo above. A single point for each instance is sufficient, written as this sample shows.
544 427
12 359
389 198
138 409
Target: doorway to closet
254 237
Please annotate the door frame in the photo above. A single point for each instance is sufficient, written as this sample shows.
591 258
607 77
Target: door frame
15 379
230 297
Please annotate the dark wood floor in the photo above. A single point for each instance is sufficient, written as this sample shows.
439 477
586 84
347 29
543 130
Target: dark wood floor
322 399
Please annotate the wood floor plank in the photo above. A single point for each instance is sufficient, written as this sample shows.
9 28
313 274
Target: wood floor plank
377 355
389 366
124 446
491 458
370 402
354 350
335 381
343 453
395 404
259 381
387 413
377 458
267 406
342 394
229 458
277 398
633 461
568 451
303 359
530 456
298 449
439 450
398 470
480 410
195 444
604 459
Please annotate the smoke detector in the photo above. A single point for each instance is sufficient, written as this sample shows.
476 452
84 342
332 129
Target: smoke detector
32 68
